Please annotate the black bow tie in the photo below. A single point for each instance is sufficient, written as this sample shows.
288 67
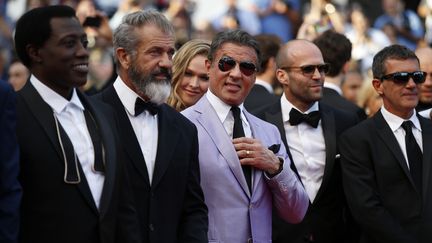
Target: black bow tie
141 105
312 118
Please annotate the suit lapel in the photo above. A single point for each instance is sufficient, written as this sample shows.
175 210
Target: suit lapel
427 155
256 133
328 124
129 139
388 138
274 116
43 114
212 125
167 141
110 154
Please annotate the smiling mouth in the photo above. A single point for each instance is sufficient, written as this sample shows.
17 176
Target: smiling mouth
191 92
83 68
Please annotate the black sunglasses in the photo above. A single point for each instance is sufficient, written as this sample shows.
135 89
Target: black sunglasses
403 77
310 69
227 63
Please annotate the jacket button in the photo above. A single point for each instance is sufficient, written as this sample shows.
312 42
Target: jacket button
151 227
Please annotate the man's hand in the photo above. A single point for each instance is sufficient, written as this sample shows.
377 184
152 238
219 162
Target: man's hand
252 152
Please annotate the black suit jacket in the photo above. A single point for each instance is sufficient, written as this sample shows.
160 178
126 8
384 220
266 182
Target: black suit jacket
10 189
53 211
379 187
332 98
259 97
325 220
171 208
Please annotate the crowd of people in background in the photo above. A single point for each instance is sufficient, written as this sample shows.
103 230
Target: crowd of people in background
283 121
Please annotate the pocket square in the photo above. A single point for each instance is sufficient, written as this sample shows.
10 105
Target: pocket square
275 148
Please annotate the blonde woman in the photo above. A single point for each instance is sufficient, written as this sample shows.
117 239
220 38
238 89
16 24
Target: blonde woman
369 99
190 79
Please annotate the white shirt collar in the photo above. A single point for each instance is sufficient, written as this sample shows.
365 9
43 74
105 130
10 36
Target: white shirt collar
57 102
395 122
222 109
266 85
286 107
127 95
333 87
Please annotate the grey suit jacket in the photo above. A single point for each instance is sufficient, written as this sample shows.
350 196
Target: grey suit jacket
236 215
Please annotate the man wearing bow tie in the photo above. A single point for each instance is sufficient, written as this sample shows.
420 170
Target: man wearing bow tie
309 130
161 145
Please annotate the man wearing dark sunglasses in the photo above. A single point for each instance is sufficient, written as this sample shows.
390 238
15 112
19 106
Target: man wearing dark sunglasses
386 160
309 130
244 168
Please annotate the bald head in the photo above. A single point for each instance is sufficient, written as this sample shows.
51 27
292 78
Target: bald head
290 53
424 54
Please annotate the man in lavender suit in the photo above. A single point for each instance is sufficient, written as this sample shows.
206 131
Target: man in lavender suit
244 175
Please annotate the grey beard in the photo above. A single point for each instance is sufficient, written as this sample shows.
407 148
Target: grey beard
157 91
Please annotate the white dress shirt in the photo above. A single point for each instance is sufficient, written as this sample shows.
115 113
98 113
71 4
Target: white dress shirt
70 114
395 124
226 117
426 113
307 147
144 125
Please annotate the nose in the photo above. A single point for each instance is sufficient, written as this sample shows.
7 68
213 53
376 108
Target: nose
166 61
317 74
82 50
235 72
411 83
194 83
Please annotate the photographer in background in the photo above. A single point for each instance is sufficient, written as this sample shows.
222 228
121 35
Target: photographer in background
99 34
404 23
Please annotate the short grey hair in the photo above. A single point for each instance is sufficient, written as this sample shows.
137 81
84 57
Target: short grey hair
125 35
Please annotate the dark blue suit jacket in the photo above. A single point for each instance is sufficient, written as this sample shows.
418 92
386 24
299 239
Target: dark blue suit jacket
10 189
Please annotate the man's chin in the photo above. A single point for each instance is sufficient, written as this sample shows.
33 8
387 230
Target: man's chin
158 93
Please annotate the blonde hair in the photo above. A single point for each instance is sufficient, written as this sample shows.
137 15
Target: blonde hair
181 61
366 93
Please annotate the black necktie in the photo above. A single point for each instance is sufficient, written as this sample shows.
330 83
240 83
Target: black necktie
415 156
141 105
238 132
296 117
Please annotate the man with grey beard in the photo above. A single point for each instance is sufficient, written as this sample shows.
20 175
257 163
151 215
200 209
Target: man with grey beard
161 145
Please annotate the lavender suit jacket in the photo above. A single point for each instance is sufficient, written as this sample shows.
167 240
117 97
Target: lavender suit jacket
236 216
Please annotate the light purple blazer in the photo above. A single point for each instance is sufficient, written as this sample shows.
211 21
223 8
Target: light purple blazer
234 215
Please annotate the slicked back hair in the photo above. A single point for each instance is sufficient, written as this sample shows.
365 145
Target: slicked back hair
238 37
125 35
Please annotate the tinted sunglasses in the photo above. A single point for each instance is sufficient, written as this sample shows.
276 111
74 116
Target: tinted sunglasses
310 69
403 77
227 63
